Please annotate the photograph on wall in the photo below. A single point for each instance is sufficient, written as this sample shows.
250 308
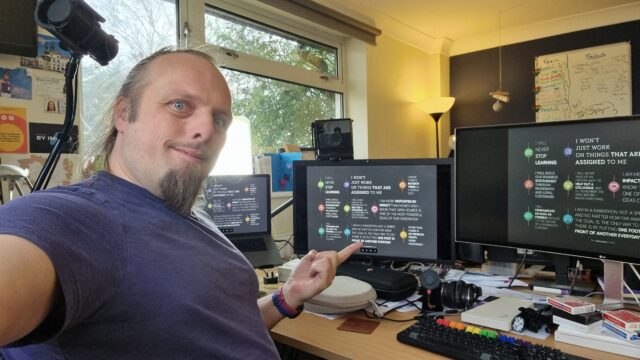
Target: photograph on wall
51 105
49 85
42 137
50 57
15 83
13 130
62 106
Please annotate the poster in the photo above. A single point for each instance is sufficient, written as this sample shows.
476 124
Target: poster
13 130
42 137
15 83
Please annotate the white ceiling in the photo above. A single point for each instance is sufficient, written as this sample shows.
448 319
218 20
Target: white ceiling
466 25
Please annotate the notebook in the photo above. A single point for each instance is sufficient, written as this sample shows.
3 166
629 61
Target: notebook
240 207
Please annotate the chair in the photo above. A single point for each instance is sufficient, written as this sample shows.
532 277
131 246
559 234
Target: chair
13 175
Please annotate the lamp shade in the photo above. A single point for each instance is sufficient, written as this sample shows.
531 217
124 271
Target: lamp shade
439 105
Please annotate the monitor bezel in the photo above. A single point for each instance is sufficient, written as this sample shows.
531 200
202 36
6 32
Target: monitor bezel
534 247
299 203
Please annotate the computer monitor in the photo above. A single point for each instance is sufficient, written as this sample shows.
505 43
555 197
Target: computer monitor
400 209
570 187
239 204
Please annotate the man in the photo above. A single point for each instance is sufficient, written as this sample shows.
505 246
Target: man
118 266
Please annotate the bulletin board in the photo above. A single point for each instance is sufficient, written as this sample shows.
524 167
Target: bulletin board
32 109
593 82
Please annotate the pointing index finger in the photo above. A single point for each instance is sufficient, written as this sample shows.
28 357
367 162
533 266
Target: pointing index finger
347 251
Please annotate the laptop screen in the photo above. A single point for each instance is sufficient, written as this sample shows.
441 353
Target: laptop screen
239 204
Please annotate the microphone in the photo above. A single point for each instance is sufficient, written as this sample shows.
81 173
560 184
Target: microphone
430 290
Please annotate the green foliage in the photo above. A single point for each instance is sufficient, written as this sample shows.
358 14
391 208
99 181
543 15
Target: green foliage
279 112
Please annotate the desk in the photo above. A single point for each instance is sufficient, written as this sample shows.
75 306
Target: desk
320 336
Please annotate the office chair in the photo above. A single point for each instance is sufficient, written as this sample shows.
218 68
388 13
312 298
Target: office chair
13 174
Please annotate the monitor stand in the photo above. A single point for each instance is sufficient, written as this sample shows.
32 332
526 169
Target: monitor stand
613 279
562 283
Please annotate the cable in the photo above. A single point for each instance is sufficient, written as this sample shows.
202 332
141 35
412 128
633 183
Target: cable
286 242
575 277
631 291
368 315
517 270
634 270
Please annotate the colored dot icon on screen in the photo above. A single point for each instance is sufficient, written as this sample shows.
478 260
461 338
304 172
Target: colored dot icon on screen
209 205
402 185
528 215
528 152
528 184
247 219
321 207
347 232
567 185
614 186
375 209
246 189
321 231
346 208
320 184
403 234
567 151
346 184
229 205
567 218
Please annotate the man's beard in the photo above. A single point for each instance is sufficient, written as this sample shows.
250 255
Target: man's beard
180 188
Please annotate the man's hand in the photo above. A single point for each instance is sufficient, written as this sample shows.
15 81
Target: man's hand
315 273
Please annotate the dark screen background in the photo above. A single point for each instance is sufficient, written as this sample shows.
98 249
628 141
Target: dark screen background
576 191
238 204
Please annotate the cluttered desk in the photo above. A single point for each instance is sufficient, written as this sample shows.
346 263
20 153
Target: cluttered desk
355 335
549 188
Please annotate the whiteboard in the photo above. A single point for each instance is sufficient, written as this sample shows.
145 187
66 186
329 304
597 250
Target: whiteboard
587 83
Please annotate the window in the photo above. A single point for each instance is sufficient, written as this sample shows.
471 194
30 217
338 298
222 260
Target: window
282 78
141 27
280 81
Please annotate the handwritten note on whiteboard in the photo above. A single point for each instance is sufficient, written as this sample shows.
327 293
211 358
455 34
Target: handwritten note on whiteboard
587 83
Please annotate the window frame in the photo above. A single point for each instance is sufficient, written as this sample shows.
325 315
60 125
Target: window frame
259 66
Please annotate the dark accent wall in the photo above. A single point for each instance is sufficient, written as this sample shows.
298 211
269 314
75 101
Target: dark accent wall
474 75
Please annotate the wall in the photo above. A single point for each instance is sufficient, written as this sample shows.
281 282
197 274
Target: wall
32 110
475 74
398 76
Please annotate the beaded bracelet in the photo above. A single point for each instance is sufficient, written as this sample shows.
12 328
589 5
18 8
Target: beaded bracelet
282 306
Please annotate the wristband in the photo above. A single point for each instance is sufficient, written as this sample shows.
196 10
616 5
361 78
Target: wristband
282 306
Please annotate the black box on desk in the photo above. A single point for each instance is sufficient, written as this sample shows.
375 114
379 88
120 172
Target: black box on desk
388 284
584 319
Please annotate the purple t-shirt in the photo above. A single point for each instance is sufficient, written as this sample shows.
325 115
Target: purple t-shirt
139 280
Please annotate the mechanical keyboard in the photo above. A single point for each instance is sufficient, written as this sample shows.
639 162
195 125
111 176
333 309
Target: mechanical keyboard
459 341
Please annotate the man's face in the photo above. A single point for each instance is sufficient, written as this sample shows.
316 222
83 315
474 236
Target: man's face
183 115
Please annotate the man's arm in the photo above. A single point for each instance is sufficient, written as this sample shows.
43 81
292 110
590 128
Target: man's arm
27 287
312 275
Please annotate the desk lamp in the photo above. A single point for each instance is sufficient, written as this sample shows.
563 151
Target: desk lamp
436 107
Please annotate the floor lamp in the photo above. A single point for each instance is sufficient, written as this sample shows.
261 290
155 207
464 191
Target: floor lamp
436 107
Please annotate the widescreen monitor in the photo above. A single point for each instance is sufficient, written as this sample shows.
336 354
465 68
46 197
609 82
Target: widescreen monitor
568 187
399 209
